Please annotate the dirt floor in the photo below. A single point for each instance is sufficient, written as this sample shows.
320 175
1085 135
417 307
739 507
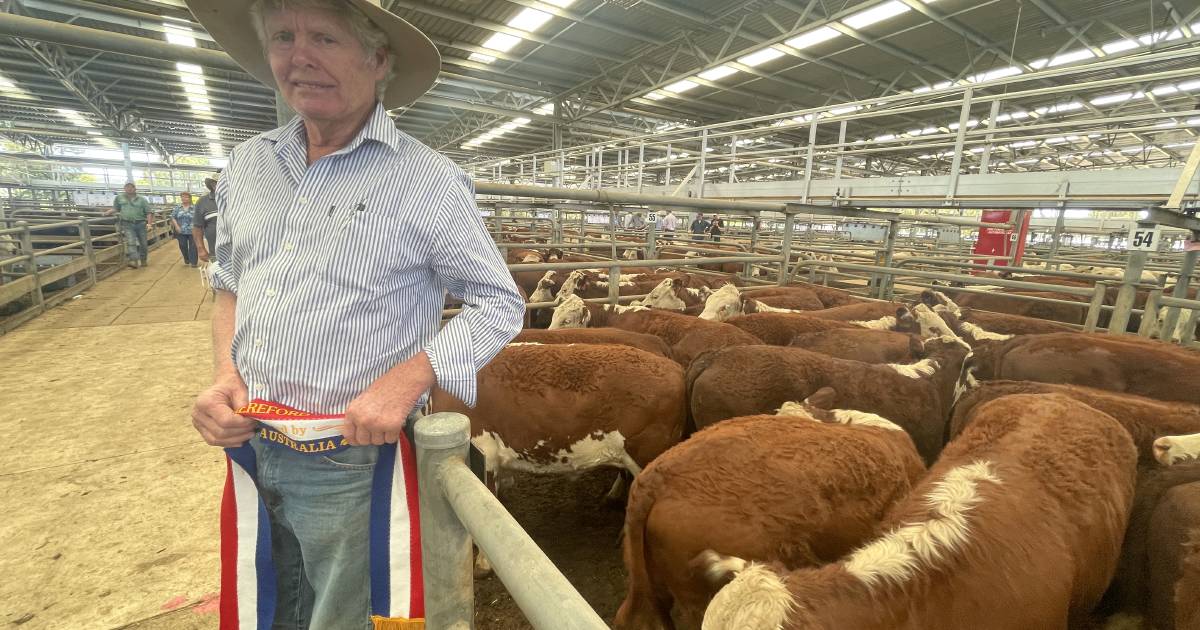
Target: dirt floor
110 502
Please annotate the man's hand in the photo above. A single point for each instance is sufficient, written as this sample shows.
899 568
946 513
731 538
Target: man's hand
213 414
377 415
203 254
109 212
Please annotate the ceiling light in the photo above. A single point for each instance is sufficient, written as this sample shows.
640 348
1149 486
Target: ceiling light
179 35
656 96
1071 57
812 38
715 74
681 86
760 57
521 122
875 15
1164 90
481 58
529 20
12 90
998 73
211 132
501 41
1121 45
1117 98
1188 86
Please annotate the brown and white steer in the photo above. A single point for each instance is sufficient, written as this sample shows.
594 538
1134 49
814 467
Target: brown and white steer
1173 553
859 312
976 325
1146 419
570 408
615 336
1117 363
1019 525
688 337
778 329
802 489
747 380
728 302
868 346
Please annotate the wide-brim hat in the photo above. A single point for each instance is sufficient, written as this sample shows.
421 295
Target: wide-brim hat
417 61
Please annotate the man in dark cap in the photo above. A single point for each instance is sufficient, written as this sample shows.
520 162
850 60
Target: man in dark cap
204 224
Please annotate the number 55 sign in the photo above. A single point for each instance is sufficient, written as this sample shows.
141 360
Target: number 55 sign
1144 238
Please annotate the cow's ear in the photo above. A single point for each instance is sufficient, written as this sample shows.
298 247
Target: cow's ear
928 298
823 398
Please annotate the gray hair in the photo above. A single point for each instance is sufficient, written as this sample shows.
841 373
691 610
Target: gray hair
369 36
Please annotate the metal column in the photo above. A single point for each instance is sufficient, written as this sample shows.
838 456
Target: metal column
1059 224
128 162
641 164
808 162
883 282
732 158
700 163
754 221
986 158
963 116
1128 293
837 170
667 178
1182 284
789 224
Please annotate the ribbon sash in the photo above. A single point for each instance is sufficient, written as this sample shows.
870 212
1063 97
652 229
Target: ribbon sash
248 585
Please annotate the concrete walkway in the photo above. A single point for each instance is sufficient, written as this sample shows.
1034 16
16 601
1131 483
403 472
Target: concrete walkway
109 498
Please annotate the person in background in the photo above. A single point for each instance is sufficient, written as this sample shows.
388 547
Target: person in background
638 222
716 228
134 217
181 220
204 222
699 227
669 223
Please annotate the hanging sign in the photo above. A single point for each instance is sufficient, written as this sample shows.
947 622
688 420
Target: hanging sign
1144 238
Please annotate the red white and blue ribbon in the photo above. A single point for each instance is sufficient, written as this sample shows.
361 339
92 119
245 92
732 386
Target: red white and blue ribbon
248 588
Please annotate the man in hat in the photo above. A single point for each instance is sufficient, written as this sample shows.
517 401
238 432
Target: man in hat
337 240
135 217
204 222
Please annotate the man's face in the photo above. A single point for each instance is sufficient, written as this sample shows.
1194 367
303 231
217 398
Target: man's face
186 199
130 190
319 65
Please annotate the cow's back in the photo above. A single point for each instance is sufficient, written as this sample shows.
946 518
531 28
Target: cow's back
778 329
615 336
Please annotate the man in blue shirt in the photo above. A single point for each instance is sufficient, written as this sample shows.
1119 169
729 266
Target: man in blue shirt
134 217
337 240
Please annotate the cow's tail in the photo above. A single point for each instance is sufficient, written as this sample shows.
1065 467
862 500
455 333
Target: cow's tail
694 370
647 604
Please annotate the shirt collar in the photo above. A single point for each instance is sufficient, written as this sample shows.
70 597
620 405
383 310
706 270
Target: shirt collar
379 128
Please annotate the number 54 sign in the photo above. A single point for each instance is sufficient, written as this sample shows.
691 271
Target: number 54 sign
1144 238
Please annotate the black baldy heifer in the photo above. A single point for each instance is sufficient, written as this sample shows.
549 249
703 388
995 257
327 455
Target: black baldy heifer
1018 526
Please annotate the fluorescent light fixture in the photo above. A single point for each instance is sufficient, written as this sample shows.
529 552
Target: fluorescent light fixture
521 122
875 15
1188 86
502 42
885 137
189 68
1121 45
509 126
1117 98
718 73
812 38
179 35
193 79
211 132
1023 144
93 132
656 96
998 73
200 107
12 90
681 86
529 20
481 58
545 108
1164 90
760 57
1071 57
1167 123
838 111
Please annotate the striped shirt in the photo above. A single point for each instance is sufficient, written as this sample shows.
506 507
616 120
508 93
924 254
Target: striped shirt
341 267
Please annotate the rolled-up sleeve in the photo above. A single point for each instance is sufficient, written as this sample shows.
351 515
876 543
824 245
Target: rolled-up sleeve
469 265
223 271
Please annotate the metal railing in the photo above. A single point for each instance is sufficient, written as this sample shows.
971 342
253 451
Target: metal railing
457 509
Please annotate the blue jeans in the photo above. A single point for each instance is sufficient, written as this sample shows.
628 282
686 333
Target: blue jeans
187 247
320 509
135 240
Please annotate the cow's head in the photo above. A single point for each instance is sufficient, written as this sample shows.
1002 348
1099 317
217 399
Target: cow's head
1175 449
631 254
544 291
724 303
574 282
665 296
554 253
571 313
934 299
930 324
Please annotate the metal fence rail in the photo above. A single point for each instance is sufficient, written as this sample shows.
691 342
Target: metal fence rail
456 509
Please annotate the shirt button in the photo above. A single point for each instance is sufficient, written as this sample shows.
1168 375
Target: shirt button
287 247
303 201
259 387
270 292
258 343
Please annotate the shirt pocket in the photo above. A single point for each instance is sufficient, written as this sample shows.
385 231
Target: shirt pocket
363 254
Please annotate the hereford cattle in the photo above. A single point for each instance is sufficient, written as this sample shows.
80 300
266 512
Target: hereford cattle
1145 419
568 408
859 312
1116 363
802 489
518 255
688 337
1002 302
673 294
868 346
1171 450
1173 552
728 302
983 325
778 329
1018 494
747 380
615 336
